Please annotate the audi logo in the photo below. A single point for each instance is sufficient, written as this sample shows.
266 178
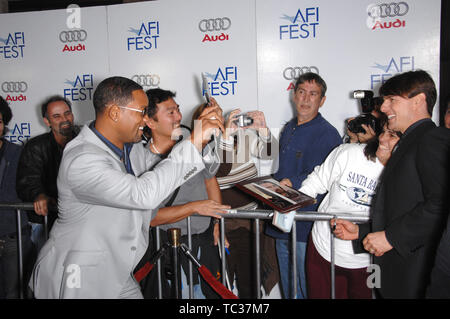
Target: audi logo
216 24
146 79
14 87
72 36
391 10
292 73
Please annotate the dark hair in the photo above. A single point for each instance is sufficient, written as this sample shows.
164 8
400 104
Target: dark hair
156 96
6 112
312 77
409 84
51 99
116 89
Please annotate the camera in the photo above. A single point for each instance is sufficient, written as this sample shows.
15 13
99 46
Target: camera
355 125
369 103
243 120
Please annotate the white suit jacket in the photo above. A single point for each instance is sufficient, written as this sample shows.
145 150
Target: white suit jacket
104 215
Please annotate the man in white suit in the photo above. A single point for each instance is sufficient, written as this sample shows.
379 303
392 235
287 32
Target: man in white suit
107 195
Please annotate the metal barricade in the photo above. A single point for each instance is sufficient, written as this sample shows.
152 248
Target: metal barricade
18 207
256 215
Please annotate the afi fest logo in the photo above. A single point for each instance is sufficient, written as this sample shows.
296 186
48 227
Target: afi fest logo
145 37
382 16
212 27
80 89
20 133
223 82
147 80
15 90
292 73
12 45
302 25
393 66
73 38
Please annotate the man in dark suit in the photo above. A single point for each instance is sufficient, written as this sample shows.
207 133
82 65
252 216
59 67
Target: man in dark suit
411 204
439 286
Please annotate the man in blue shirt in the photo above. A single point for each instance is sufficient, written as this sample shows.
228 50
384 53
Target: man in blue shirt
305 142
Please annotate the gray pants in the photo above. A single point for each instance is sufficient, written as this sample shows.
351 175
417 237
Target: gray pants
131 289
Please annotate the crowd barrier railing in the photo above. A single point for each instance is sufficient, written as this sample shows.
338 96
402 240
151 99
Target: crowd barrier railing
255 215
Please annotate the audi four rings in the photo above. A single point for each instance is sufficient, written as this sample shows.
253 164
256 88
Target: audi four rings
391 10
72 36
146 79
291 73
216 24
14 87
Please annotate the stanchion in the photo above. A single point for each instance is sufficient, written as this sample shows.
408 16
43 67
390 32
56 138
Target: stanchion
333 274
20 253
174 239
294 260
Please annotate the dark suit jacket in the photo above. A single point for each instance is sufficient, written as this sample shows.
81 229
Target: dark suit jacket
410 206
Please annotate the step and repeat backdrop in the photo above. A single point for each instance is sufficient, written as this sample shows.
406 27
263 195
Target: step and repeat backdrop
250 51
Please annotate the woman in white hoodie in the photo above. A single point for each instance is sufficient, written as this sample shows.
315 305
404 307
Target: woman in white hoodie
350 175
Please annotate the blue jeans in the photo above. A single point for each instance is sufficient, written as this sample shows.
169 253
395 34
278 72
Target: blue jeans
283 248
38 235
9 275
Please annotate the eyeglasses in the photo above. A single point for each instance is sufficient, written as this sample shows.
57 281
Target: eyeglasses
133 109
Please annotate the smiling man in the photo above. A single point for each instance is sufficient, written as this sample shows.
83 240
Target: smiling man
39 164
201 194
305 142
107 196
411 205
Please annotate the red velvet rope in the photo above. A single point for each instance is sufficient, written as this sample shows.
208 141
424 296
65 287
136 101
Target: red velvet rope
204 272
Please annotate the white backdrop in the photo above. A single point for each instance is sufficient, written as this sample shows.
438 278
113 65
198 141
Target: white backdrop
258 49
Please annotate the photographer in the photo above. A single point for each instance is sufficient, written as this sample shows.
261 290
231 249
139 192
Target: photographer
361 129
246 146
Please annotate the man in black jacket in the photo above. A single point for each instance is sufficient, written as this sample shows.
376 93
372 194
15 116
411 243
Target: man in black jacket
411 205
39 164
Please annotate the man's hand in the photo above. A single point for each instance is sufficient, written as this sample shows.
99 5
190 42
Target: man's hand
230 126
376 243
286 182
361 137
209 122
365 137
42 203
208 207
345 229
259 122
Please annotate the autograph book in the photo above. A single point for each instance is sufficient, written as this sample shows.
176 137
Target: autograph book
281 198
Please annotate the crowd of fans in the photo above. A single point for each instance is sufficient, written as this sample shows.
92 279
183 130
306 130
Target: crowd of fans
105 187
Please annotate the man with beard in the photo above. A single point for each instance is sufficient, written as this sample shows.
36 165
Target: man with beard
39 164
